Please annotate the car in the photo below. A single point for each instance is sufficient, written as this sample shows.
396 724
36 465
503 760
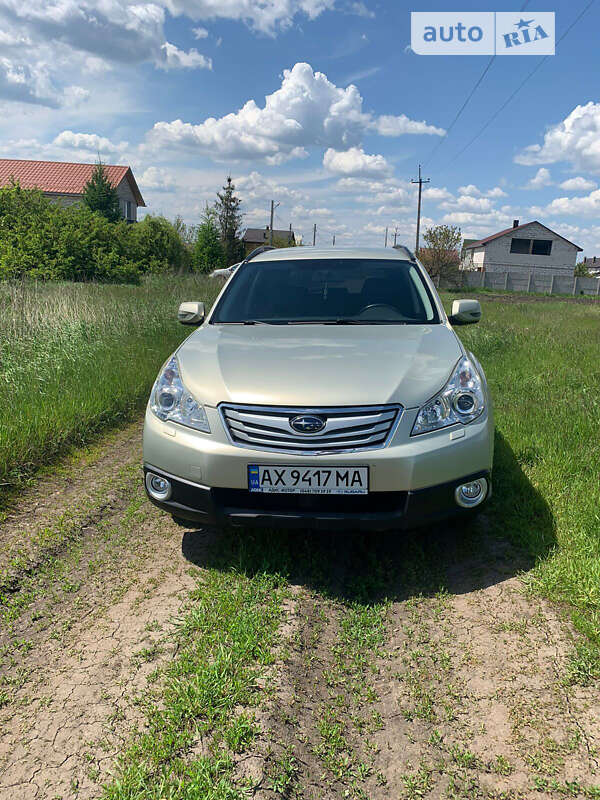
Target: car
325 389
224 272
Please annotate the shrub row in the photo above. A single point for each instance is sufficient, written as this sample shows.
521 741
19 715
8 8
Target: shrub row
43 241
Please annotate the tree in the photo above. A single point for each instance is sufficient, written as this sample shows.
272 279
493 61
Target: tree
208 250
100 195
441 254
156 245
230 222
582 271
280 241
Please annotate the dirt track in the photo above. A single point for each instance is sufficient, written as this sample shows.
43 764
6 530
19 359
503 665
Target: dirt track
463 694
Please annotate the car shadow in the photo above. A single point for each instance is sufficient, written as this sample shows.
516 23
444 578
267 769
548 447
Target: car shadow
509 537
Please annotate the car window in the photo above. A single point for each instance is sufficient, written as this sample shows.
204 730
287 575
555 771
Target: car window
361 291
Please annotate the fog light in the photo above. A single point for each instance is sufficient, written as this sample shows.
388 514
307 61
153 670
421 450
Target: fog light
469 495
158 487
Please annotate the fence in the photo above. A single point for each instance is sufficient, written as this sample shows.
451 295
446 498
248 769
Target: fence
531 282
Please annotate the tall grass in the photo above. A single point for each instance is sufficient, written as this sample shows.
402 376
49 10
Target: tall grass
77 357
543 365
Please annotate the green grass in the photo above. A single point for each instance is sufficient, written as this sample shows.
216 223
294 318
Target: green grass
225 643
75 358
541 361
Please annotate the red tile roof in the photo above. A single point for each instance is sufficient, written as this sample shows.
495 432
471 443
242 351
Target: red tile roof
62 177
487 239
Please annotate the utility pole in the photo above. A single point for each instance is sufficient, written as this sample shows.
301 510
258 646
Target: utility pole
273 207
314 234
420 181
386 230
395 235
333 240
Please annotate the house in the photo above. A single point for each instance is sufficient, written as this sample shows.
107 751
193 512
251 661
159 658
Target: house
64 182
255 237
592 263
521 249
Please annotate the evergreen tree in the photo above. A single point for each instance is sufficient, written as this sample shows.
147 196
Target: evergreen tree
230 222
101 196
208 249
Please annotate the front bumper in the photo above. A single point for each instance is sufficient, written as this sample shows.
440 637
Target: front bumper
406 464
411 480
377 511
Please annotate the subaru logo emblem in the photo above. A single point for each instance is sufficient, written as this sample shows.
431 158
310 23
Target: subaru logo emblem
307 423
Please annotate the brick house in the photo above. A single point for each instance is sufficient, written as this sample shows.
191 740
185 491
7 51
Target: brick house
64 182
521 249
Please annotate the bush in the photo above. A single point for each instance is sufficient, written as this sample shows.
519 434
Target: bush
42 241
208 249
156 246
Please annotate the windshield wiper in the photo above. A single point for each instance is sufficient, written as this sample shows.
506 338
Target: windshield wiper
347 321
244 322
341 321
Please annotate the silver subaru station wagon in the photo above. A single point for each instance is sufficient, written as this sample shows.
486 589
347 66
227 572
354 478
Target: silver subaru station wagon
325 389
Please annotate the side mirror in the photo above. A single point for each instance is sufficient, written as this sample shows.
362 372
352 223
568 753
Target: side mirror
465 312
191 313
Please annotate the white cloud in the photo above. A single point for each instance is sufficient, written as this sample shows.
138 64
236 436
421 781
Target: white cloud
182 59
200 33
541 178
388 125
576 140
266 16
11 39
155 178
89 142
355 162
360 9
437 195
578 184
306 110
584 206
475 191
29 84
259 187
465 202
113 29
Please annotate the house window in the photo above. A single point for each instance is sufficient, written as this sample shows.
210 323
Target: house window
541 247
129 209
520 245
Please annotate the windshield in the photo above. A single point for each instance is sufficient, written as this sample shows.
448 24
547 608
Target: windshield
328 291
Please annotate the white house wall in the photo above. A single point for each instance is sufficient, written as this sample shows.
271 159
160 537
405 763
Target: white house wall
125 194
123 190
498 258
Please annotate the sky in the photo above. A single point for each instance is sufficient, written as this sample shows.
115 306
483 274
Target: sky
320 105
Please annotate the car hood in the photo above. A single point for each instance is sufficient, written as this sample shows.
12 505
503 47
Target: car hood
318 365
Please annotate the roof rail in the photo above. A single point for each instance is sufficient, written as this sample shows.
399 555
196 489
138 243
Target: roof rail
257 251
403 249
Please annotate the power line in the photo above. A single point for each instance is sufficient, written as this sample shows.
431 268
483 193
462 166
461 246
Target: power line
439 143
518 89
459 112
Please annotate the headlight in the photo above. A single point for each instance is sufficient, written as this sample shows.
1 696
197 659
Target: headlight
170 400
461 400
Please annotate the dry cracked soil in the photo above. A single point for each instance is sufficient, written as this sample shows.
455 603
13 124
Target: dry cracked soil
407 666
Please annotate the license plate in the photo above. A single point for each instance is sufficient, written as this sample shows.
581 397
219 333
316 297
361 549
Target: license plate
308 480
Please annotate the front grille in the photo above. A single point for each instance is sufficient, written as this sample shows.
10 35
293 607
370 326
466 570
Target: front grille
345 429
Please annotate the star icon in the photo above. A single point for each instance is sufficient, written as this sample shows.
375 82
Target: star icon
523 23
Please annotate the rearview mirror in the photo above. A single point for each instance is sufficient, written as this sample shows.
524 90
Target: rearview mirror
465 312
191 313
